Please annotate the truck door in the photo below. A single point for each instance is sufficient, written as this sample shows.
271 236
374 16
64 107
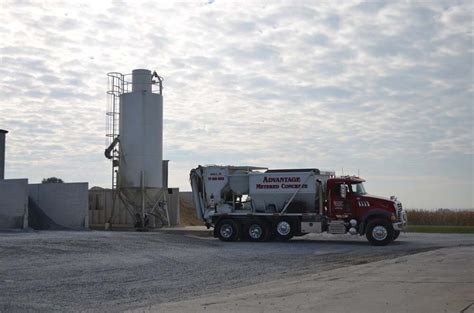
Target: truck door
342 201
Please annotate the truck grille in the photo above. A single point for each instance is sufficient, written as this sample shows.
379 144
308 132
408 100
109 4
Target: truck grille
399 210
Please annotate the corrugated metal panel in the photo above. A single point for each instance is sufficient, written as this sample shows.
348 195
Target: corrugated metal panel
101 202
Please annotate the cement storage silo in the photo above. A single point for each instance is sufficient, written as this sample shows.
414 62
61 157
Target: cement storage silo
135 130
141 134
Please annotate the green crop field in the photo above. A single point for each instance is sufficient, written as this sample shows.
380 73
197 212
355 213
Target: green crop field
441 221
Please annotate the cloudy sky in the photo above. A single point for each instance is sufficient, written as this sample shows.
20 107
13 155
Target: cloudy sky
380 88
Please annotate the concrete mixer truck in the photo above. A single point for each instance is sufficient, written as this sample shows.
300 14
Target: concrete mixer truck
260 204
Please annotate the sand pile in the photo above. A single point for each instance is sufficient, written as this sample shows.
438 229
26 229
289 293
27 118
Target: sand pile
187 211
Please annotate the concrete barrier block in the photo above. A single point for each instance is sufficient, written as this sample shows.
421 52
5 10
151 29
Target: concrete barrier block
65 203
13 203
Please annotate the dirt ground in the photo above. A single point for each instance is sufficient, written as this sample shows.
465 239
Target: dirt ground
99 271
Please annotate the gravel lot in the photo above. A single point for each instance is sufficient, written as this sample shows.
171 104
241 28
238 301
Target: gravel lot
117 271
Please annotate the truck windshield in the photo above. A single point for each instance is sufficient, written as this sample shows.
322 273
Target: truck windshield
358 188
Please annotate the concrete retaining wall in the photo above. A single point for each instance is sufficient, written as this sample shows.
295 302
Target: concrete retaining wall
101 209
13 203
64 203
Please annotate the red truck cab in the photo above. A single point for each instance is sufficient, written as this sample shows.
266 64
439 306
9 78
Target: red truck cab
380 219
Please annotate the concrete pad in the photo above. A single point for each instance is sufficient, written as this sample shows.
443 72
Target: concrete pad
435 281
201 231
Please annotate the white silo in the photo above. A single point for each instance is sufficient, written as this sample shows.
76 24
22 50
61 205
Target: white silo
135 127
141 134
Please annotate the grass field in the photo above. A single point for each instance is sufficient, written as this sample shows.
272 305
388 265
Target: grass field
447 229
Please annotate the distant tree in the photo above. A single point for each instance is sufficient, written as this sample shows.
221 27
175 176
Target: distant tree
52 180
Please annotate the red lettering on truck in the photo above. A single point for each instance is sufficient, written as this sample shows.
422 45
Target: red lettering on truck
270 179
260 186
294 186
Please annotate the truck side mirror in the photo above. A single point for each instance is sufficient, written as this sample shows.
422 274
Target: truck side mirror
343 189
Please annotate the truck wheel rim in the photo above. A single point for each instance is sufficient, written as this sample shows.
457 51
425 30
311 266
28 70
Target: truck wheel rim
226 231
283 228
255 231
379 233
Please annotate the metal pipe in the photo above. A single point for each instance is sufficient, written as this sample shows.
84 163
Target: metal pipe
165 204
294 194
320 195
108 151
3 133
143 197
194 176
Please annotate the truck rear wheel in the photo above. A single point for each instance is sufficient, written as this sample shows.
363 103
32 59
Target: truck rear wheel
227 230
257 231
379 232
284 229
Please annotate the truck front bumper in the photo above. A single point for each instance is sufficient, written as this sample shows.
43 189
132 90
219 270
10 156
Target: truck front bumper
399 226
402 224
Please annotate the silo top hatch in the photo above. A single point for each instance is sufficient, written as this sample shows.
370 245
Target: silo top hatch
141 80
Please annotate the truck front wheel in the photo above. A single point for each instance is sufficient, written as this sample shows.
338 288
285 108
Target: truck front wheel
396 233
379 232
227 230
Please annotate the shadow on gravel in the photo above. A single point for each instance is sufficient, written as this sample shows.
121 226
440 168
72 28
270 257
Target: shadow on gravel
324 242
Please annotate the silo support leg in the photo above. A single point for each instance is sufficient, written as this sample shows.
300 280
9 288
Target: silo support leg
142 183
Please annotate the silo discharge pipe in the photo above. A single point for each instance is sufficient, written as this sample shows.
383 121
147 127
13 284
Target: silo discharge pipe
108 151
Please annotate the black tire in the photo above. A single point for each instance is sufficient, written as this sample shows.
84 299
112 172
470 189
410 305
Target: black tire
257 231
379 232
284 229
227 230
396 233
